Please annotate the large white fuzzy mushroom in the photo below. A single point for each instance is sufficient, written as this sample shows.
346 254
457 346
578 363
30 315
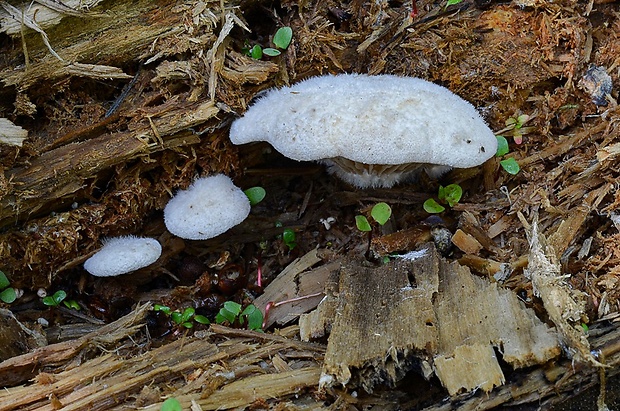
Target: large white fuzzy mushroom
122 255
208 208
372 131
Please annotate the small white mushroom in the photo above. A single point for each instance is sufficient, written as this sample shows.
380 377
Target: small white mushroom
208 208
122 255
372 131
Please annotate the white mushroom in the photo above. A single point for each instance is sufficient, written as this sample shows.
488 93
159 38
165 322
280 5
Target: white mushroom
121 255
372 131
208 208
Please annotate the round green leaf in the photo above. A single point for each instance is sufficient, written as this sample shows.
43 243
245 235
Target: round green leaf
233 307
201 319
283 37
502 146
271 52
255 195
4 281
171 404
381 212
452 194
510 165
256 52
8 295
59 296
362 223
288 236
433 207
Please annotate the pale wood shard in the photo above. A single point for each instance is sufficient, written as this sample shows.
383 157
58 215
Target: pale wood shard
408 312
466 242
564 305
295 282
11 134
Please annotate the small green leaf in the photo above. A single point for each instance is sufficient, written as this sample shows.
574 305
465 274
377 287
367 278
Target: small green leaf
171 404
162 308
502 146
188 324
176 317
49 301
72 304
59 296
452 2
283 37
510 165
187 314
433 207
225 315
256 52
233 307
8 295
4 282
452 194
254 316
255 195
381 212
288 236
362 223
271 52
201 319
585 327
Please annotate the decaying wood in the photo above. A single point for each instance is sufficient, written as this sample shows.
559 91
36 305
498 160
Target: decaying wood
426 313
209 373
565 306
24 367
296 290
15 337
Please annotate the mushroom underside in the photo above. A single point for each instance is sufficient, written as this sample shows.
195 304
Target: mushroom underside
380 175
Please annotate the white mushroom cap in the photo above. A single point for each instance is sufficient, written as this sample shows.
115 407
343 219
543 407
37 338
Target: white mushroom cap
385 120
121 255
208 208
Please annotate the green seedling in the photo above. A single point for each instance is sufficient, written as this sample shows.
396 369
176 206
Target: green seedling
182 319
55 299
514 127
289 238
171 404
255 195
7 294
451 3
450 195
381 213
231 312
510 165
281 40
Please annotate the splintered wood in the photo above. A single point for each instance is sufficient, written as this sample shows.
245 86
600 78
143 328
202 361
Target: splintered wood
421 314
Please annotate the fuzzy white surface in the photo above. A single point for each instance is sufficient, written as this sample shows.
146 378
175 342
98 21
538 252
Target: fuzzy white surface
208 208
381 119
121 255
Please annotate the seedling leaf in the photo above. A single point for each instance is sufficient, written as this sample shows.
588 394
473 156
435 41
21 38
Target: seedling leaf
271 52
171 404
451 193
502 146
233 307
255 195
283 37
510 165
381 212
72 304
433 207
256 52
362 223
8 295
452 2
289 238
4 281
201 319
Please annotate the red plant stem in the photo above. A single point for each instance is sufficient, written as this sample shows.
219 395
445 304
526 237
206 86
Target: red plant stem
414 9
259 270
